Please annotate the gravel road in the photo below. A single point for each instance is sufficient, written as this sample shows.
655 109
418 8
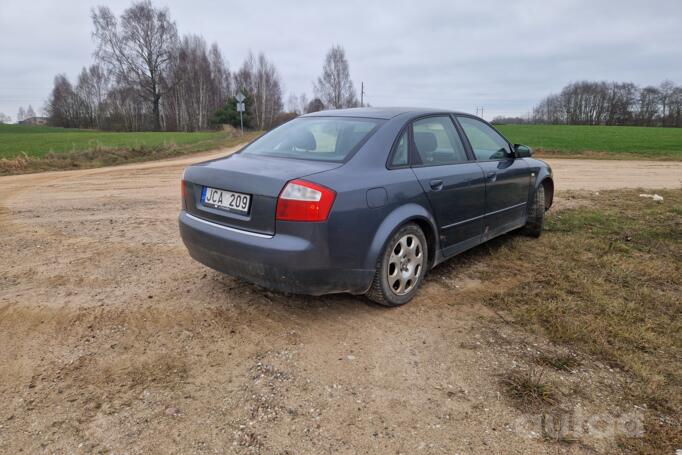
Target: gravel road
114 340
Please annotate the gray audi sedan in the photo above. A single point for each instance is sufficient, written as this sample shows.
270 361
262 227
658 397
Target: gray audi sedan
363 200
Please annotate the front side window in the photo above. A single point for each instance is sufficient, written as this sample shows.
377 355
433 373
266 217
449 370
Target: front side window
436 142
314 138
485 141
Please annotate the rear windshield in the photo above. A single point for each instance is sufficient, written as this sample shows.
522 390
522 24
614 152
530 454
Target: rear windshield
314 138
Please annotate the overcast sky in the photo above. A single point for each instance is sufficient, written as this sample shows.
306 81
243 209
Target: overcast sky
501 55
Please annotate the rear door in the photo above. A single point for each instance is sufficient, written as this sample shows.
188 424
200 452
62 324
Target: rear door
454 185
507 179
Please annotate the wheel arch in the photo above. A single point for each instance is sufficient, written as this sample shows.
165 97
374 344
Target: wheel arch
548 185
409 213
544 178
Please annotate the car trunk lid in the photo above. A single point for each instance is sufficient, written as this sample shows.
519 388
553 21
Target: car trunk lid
261 177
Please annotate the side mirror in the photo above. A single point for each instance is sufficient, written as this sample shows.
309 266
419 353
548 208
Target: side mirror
522 151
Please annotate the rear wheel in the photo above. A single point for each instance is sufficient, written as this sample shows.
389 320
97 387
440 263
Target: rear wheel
536 214
400 268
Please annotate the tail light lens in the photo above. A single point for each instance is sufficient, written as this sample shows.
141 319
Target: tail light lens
304 201
183 192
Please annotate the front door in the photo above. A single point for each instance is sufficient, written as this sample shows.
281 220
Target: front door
507 179
454 184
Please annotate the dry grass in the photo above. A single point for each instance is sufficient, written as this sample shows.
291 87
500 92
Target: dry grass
606 280
560 362
528 389
594 155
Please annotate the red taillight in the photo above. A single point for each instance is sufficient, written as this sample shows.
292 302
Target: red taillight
183 191
304 201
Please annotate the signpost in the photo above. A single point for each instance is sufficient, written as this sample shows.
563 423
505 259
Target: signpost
240 108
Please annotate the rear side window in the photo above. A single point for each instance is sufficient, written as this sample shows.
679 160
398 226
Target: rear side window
486 142
400 153
314 138
436 142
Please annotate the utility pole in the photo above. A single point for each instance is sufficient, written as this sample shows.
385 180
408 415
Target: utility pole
362 94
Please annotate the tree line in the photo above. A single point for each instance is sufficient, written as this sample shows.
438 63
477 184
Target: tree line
612 103
22 114
146 77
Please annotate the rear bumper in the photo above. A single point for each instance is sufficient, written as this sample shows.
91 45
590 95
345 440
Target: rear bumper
282 262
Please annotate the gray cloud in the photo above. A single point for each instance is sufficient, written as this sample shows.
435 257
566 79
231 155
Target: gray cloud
502 55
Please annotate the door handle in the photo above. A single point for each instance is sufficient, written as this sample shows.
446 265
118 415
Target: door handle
436 185
492 176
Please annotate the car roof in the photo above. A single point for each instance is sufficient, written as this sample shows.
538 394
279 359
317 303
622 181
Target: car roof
379 112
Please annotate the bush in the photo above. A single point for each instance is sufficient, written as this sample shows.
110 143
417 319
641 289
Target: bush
228 114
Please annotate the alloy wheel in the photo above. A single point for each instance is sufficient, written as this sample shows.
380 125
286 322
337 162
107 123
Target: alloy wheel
405 264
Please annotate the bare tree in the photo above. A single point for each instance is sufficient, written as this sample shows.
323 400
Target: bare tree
62 105
648 105
30 112
334 87
612 103
302 103
315 105
99 89
138 49
5 118
87 100
293 104
144 77
259 78
665 91
675 107
198 85
21 115
220 74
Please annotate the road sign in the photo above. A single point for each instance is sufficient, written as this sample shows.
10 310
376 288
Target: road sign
241 108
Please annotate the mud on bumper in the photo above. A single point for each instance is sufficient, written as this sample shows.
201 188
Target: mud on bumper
281 262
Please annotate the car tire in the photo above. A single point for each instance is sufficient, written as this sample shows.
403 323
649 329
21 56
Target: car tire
401 267
536 214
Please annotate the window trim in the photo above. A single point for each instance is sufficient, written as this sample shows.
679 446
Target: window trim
471 148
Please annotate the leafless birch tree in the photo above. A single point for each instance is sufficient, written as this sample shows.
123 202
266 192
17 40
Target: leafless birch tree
138 48
335 87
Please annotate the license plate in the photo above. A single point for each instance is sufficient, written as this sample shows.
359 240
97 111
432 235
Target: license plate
226 200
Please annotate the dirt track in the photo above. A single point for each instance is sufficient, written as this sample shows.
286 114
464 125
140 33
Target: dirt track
113 339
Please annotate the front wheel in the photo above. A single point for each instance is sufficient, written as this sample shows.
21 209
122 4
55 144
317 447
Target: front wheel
401 267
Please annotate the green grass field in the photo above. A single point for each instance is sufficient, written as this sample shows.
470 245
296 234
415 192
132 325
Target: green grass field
549 140
599 141
38 141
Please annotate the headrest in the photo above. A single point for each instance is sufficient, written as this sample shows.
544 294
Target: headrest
305 140
347 139
426 142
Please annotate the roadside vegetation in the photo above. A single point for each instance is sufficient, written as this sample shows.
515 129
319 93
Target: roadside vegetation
26 149
584 141
605 281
